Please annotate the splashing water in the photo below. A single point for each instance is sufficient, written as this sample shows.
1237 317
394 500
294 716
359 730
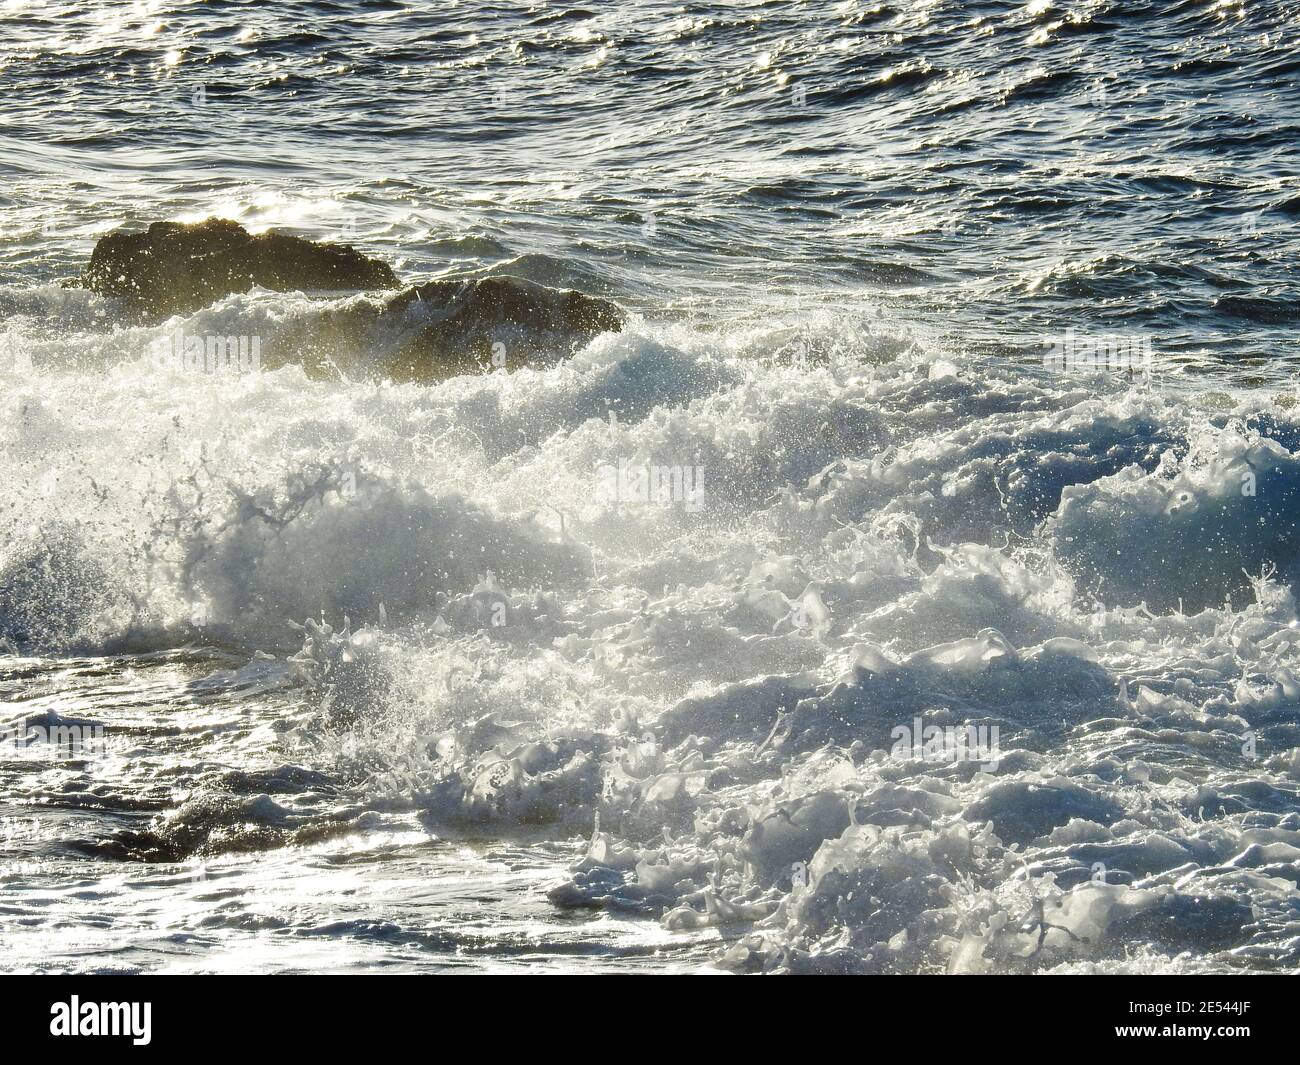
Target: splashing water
812 623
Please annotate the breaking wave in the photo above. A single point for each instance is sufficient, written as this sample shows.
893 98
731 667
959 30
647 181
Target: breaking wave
887 537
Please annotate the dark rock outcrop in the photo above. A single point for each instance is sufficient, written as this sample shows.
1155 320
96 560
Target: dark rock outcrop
174 268
447 328
462 326
427 333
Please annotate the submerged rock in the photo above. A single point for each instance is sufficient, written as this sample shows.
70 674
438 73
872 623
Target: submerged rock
462 326
174 268
450 327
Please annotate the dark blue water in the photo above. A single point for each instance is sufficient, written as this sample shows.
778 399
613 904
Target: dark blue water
998 169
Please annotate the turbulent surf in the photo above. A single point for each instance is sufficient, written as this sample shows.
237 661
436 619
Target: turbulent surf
854 530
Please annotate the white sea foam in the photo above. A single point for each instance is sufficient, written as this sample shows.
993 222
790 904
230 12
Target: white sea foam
716 689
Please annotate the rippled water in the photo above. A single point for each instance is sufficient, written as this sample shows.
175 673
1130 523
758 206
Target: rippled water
531 726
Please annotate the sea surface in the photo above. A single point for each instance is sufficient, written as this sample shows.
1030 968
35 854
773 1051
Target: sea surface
345 675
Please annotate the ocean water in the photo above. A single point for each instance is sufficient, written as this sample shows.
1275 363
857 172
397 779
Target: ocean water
934 646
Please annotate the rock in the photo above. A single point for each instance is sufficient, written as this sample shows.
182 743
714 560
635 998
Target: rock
175 268
426 333
449 327
462 326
